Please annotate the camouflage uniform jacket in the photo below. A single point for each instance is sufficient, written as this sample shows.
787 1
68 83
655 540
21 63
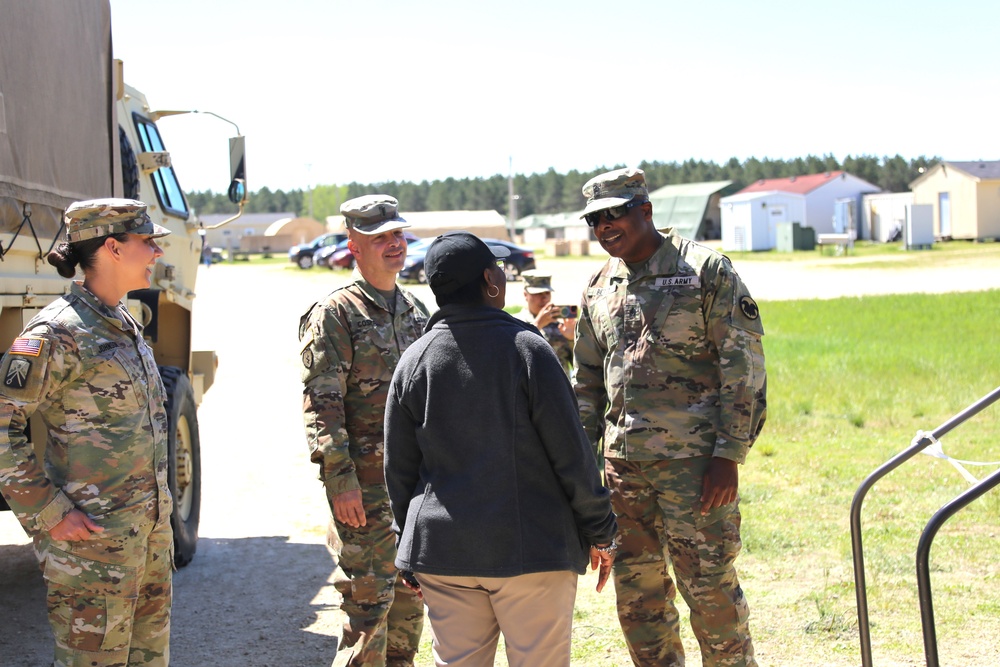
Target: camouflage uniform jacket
351 343
669 361
562 346
89 374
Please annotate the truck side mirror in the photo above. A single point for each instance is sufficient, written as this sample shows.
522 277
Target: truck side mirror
237 170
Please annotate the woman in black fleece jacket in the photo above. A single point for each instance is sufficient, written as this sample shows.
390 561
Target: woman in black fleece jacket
494 487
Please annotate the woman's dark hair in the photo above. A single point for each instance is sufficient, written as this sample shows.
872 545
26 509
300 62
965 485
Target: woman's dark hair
67 256
469 294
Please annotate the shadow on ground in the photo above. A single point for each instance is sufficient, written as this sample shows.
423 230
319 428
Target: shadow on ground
252 602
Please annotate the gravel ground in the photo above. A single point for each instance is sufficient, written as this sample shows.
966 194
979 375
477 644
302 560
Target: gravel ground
258 591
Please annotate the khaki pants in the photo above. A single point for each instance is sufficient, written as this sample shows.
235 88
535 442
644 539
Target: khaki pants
533 611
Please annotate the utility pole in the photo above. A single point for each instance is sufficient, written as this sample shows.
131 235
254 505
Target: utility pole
310 185
512 198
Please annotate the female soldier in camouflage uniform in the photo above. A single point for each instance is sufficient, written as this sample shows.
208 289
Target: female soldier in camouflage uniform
97 505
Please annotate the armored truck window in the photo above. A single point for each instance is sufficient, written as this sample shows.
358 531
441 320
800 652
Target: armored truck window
168 190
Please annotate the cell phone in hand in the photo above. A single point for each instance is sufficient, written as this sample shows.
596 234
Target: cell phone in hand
566 312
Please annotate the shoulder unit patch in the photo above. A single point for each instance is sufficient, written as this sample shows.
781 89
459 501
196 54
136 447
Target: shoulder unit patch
749 308
16 376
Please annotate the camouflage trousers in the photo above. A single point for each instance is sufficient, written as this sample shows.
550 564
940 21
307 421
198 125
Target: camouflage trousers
660 524
384 618
109 597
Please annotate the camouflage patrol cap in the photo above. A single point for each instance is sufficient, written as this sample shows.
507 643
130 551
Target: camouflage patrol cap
372 214
614 188
536 281
102 217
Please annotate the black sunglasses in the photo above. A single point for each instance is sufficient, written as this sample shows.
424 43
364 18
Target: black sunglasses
612 213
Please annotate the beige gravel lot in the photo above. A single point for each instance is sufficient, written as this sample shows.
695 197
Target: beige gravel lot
258 592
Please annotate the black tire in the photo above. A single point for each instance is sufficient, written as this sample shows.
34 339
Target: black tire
130 167
305 262
184 457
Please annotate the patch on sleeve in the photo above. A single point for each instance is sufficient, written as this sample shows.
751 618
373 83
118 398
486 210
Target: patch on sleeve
746 315
749 308
313 357
16 375
28 346
23 369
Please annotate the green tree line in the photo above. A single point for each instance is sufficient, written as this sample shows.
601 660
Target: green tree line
553 192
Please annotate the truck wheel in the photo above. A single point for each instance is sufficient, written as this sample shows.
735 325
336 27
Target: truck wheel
130 167
184 462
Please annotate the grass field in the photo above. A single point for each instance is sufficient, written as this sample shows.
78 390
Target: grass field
851 381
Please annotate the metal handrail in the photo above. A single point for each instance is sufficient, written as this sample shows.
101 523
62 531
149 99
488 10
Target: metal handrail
923 559
915 448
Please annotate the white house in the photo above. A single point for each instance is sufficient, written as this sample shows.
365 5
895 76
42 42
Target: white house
822 193
750 219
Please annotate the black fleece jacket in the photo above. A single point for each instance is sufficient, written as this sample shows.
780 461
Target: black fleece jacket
488 468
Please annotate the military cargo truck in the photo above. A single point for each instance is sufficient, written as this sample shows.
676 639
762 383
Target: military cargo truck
70 129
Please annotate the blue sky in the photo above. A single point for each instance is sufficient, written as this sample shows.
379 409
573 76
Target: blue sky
333 91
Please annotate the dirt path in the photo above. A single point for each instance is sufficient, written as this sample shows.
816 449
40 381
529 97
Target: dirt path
258 592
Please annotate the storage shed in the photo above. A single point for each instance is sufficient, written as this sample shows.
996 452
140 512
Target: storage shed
690 209
965 197
750 219
297 230
883 214
238 234
821 192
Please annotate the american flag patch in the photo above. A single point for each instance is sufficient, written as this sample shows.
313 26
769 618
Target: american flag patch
29 346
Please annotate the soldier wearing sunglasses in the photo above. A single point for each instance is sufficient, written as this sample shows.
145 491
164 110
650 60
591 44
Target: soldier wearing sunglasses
672 391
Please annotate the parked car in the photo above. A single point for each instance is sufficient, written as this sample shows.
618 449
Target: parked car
520 259
413 267
323 256
343 258
302 254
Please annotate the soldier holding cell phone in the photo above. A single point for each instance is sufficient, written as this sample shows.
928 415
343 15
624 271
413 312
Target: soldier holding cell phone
557 323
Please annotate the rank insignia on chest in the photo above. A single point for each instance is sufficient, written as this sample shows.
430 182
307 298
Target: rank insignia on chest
31 347
17 374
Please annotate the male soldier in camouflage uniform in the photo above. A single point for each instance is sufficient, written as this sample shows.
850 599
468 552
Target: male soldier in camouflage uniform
670 375
544 314
351 342
97 505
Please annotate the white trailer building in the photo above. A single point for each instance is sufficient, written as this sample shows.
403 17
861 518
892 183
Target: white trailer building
750 219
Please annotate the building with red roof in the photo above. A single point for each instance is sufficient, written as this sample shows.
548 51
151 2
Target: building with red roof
828 202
